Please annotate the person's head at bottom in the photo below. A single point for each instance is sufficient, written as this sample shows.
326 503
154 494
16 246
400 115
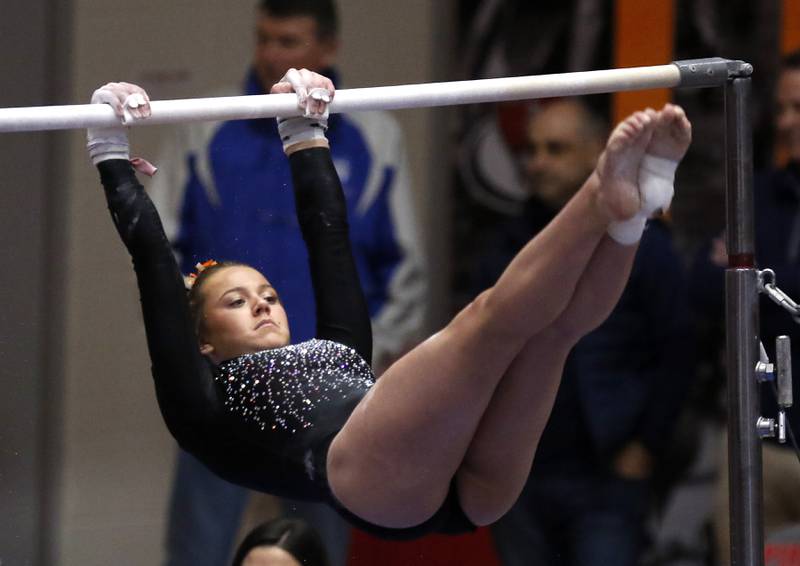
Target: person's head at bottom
281 542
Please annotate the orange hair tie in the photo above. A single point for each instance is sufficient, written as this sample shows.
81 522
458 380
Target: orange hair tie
189 280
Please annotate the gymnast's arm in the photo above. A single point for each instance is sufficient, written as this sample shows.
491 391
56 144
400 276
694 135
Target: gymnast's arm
183 378
342 313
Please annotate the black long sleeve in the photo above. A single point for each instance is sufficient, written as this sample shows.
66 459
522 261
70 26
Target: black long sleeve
184 381
342 314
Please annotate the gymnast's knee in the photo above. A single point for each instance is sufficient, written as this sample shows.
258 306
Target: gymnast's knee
485 500
484 316
569 329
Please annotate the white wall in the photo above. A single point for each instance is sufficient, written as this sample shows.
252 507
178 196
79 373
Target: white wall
117 455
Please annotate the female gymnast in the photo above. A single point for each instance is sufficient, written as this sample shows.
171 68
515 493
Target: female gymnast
444 440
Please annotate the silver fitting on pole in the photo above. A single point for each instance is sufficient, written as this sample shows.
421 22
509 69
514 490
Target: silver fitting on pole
712 71
765 427
765 372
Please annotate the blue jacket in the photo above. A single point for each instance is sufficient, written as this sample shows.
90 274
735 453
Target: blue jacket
224 193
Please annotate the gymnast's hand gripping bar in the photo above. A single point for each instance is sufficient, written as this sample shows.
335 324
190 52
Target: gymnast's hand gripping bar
694 73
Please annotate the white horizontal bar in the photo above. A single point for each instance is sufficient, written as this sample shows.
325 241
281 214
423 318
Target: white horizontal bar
349 100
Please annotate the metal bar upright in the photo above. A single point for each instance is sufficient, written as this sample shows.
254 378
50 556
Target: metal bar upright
744 446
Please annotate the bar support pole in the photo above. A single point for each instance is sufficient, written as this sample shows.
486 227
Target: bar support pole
744 445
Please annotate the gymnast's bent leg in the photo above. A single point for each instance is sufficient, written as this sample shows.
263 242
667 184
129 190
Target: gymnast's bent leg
393 462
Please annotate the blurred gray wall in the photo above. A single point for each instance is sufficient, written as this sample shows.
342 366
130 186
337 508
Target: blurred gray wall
34 72
85 460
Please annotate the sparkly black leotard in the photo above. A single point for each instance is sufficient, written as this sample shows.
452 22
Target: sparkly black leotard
263 420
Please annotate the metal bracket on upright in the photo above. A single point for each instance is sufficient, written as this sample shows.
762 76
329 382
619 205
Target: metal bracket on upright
766 371
712 71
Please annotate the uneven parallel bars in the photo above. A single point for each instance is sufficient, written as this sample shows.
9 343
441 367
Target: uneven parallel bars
742 293
359 99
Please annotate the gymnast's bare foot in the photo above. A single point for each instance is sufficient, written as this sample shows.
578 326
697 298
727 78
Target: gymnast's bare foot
618 166
672 134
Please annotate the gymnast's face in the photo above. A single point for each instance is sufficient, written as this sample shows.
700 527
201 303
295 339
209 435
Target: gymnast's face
283 43
242 314
788 113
